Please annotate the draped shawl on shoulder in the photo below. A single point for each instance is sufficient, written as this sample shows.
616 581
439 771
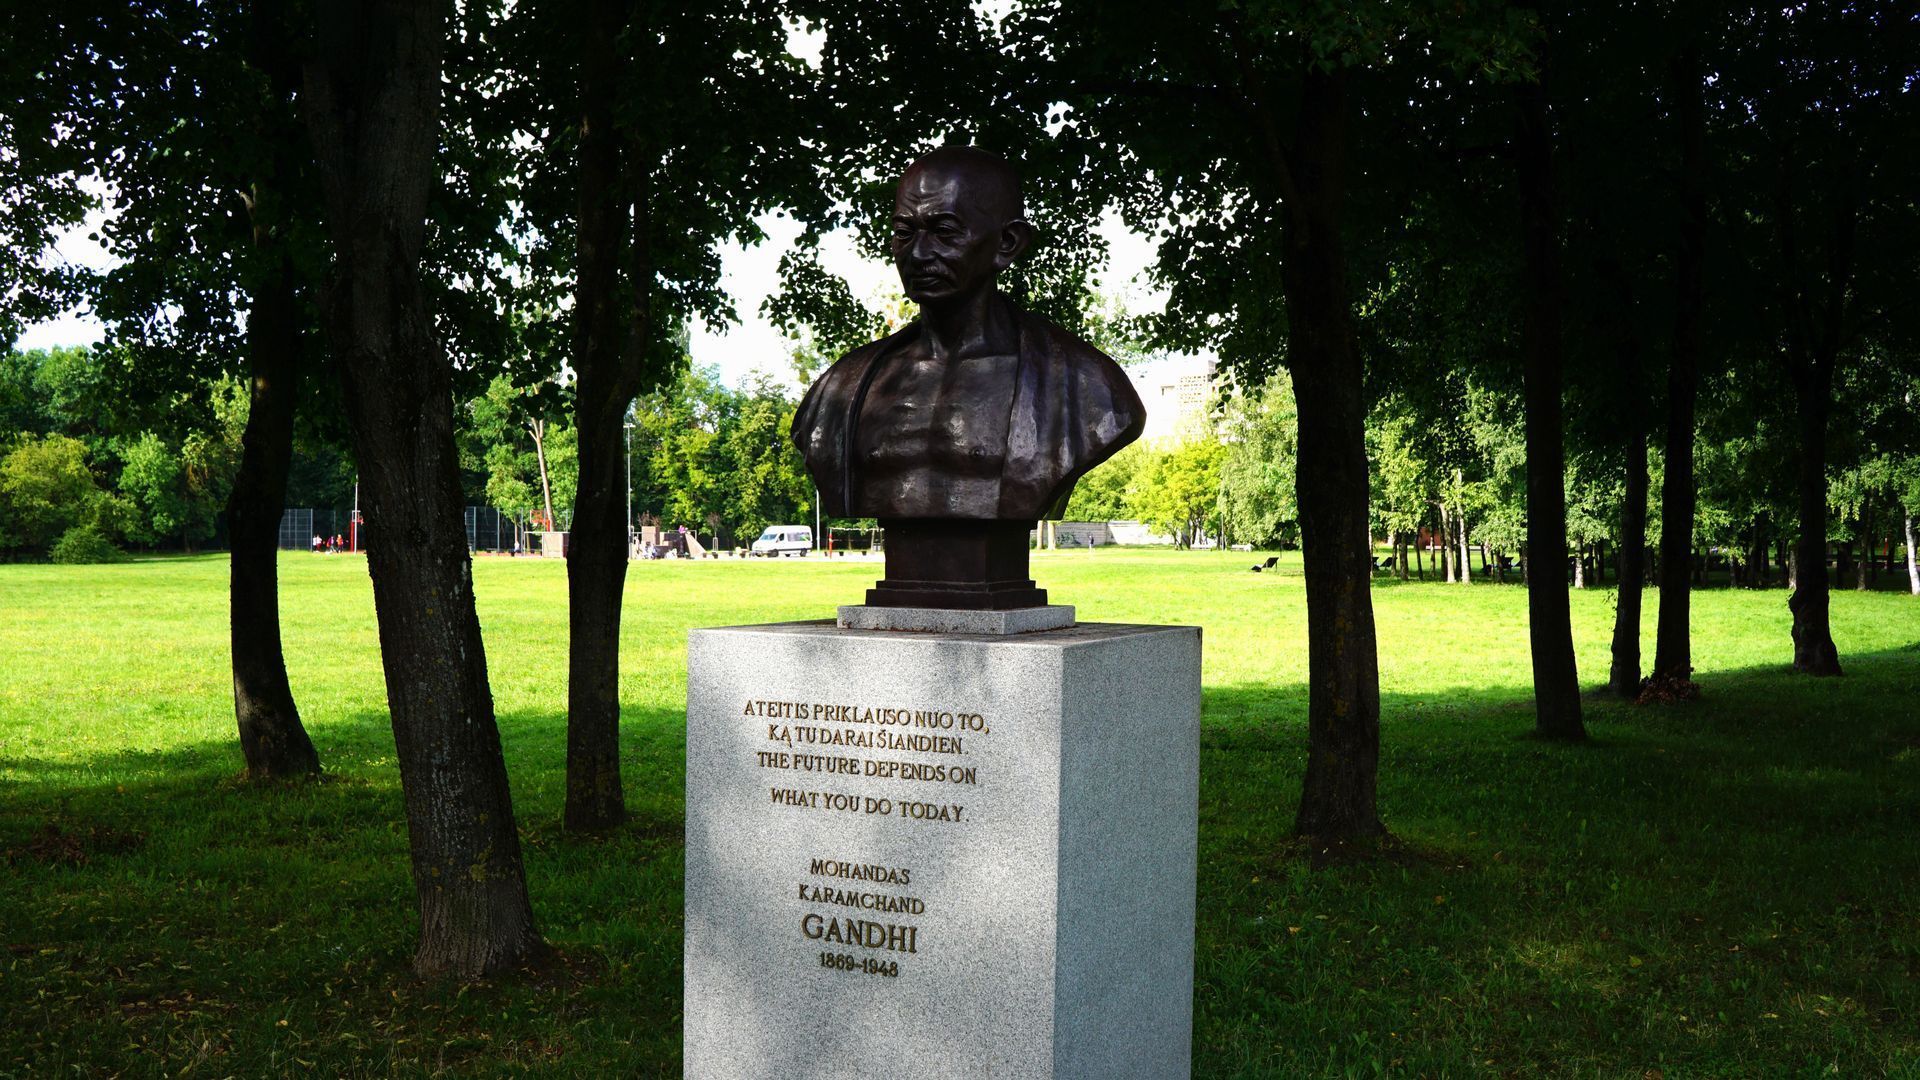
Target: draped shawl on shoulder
1070 407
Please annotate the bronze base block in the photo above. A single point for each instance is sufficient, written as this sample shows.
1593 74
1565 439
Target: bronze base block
966 564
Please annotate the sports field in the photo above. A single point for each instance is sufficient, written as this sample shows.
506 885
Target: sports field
1721 888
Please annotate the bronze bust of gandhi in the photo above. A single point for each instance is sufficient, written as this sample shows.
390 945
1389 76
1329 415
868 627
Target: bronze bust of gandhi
971 423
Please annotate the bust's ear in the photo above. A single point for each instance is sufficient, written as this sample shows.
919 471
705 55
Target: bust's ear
1015 238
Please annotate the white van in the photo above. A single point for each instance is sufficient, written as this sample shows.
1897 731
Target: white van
780 541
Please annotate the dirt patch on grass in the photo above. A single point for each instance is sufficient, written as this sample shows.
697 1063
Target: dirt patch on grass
564 970
51 845
1666 689
1383 850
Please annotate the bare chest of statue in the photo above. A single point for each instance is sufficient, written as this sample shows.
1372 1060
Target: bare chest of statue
931 436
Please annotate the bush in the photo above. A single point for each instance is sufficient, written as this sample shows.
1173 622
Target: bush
46 489
85 544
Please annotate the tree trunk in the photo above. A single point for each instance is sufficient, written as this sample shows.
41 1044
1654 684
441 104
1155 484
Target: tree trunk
1673 645
1338 798
1419 554
1450 540
597 563
1624 678
1445 537
1862 568
1759 572
1466 563
273 742
538 429
1400 555
1813 346
1913 562
1556 683
372 95
1813 648
272 739
596 580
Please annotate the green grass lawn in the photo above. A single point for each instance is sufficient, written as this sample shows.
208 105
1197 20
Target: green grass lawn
1722 888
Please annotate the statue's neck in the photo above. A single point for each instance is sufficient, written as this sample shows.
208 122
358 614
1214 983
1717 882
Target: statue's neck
978 323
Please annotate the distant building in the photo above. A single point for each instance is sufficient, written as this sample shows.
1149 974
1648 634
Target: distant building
1080 534
1178 392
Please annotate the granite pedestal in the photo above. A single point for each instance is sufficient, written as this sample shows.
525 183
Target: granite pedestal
956 620
940 855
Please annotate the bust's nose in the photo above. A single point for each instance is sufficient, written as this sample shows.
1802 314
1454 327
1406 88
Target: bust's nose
920 252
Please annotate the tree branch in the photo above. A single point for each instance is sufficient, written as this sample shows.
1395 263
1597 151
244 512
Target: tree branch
1253 101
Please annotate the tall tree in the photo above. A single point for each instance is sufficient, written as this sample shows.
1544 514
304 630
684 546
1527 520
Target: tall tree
1277 145
205 220
1338 796
630 212
1181 492
1556 685
1233 130
1820 124
272 738
1623 676
1257 474
1673 642
371 98
608 373
1618 206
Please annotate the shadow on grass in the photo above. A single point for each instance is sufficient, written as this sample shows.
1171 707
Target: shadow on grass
1724 888
162 813
251 925
1773 730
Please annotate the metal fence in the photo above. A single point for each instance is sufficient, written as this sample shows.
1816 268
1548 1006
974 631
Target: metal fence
487 529
300 524
296 530
490 530
839 539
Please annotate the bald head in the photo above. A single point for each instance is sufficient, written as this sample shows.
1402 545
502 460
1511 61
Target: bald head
957 221
982 177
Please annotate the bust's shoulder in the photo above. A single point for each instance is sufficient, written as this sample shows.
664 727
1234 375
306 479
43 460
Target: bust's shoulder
1064 345
1084 362
842 378
855 362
